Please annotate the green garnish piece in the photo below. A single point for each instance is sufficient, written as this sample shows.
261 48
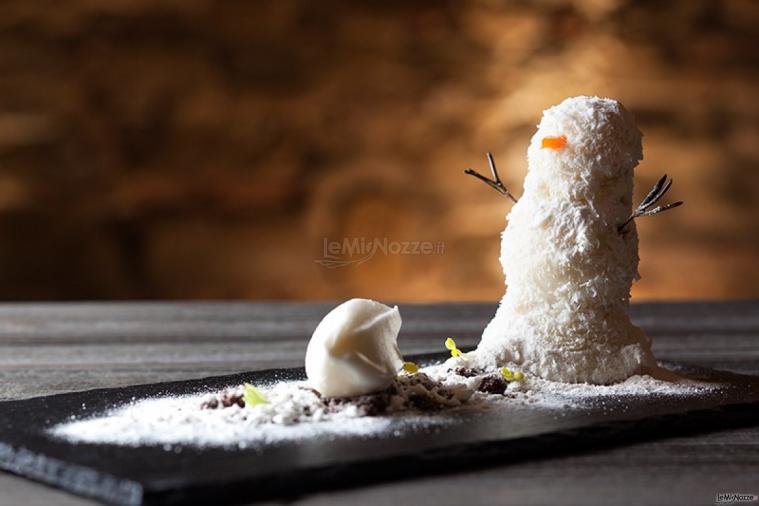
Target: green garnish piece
518 376
450 344
507 374
410 367
252 396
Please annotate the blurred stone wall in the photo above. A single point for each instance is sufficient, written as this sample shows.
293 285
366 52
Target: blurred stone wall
201 149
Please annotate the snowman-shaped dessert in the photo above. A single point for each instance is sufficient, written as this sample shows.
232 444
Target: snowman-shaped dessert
570 251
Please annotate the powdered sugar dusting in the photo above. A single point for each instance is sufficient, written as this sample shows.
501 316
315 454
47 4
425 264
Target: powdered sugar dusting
171 420
422 401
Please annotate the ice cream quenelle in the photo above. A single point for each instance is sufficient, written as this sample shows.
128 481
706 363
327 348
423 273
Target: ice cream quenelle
569 264
354 350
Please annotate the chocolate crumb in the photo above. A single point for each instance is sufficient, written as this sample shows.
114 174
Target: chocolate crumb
375 405
423 403
231 398
212 403
466 372
370 405
493 385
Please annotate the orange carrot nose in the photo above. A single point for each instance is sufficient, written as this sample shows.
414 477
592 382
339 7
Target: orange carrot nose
556 143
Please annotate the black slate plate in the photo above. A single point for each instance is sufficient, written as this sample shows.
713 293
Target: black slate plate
183 474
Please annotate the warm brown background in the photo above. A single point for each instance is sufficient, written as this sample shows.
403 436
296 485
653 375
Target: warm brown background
194 149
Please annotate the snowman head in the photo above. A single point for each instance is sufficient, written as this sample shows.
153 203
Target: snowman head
586 137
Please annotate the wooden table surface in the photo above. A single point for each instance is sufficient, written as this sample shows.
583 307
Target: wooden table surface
52 348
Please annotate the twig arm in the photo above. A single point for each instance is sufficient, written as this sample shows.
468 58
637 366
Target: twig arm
661 187
494 183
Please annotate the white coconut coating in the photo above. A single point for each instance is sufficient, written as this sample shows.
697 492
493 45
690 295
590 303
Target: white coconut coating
568 270
354 349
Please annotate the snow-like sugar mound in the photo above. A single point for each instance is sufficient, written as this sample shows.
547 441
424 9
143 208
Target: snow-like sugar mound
568 270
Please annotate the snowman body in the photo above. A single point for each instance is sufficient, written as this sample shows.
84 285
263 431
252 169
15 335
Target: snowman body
568 269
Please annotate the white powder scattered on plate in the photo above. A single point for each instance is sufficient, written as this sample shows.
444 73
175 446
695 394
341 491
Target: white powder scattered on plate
296 412
171 420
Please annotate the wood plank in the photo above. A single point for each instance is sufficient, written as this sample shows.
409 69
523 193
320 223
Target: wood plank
48 348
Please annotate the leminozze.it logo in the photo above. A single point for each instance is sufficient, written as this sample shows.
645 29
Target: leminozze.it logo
735 498
358 250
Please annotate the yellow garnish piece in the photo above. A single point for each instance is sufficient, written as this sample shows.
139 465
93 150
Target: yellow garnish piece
508 375
252 396
554 142
450 344
410 367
